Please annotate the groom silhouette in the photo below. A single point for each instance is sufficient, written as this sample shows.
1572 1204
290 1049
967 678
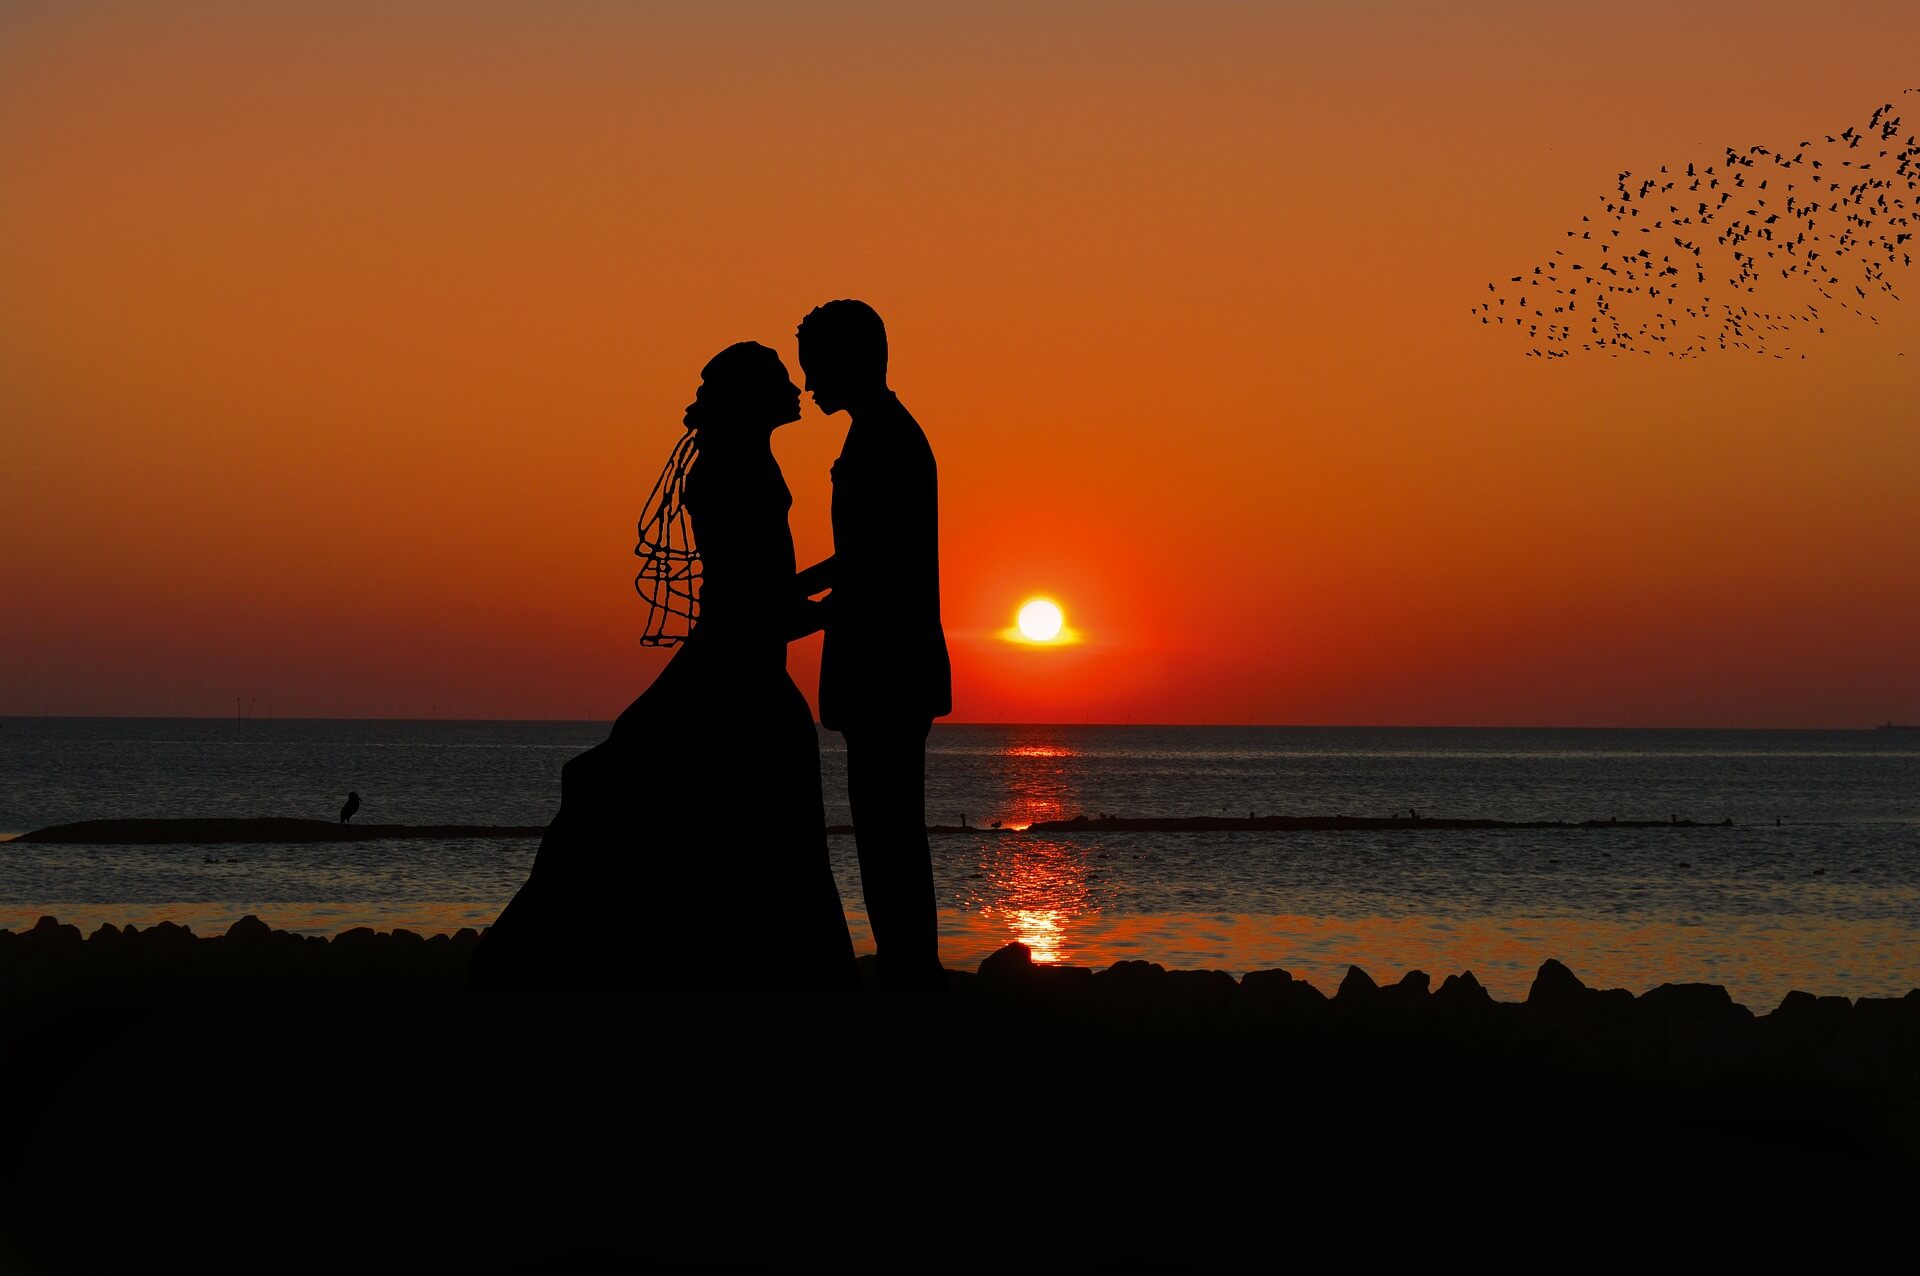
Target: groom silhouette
884 675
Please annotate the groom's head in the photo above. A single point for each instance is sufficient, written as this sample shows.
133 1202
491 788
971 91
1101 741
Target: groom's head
843 352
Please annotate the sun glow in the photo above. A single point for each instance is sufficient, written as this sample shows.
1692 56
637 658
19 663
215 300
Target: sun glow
1040 621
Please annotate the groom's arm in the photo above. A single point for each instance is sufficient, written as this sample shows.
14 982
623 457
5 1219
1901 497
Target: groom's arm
815 578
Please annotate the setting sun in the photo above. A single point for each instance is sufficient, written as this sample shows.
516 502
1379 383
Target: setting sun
1040 621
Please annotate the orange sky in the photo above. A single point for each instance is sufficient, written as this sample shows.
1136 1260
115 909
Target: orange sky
338 350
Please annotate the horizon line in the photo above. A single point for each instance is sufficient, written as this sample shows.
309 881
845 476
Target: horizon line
969 722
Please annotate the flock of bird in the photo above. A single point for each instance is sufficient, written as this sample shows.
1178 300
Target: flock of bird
1645 276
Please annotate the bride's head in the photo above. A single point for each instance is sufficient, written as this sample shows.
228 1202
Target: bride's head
744 390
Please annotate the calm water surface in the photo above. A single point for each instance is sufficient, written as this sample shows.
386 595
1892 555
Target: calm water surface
1826 899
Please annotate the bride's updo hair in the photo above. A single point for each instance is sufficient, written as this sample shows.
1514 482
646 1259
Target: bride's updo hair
745 384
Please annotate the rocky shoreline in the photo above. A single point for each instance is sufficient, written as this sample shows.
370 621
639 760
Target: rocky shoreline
350 1095
1692 1032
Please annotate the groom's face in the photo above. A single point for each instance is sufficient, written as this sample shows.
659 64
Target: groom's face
822 385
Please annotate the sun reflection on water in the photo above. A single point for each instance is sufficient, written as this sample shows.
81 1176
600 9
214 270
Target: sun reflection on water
1034 771
1040 930
1034 891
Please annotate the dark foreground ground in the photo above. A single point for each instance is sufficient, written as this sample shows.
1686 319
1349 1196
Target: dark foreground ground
268 1102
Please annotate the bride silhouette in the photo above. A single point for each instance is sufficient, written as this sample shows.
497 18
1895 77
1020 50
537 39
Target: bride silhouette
690 847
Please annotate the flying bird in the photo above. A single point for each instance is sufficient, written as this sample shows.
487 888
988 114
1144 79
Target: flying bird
1849 242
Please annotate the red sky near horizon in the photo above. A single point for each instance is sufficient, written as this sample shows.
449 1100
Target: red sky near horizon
339 347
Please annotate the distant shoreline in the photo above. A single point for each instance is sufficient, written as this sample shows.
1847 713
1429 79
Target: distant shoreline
185 832
274 829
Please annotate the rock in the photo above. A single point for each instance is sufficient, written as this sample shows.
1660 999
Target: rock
1356 989
1797 1003
107 935
1594 1026
48 933
1704 1033
1133 972
1014 964
1554 986
357 939
1410 994
1191 988
465 937
1461 992
1875 1047
407 938
1015 961
1803 1021
1307 994
1132 984
1266 983
1895 1022
1695 1003
249 930
1268 990
167 935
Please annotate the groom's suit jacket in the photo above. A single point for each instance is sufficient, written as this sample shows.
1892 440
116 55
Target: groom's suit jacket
885 655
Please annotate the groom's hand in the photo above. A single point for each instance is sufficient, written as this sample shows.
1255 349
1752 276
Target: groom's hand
808 618
815 578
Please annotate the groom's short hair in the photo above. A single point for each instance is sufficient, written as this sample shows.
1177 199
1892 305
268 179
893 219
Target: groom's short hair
851 335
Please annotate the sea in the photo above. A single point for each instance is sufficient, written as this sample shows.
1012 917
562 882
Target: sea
1814 885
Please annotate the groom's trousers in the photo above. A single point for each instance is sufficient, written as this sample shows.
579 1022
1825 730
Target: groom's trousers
886 787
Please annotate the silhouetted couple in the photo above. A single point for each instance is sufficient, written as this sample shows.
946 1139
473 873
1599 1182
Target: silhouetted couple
690 847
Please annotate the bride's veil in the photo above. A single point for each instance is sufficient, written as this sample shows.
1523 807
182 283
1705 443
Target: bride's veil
669 576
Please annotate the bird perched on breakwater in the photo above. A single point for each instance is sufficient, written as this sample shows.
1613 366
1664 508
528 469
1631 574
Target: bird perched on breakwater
352 805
